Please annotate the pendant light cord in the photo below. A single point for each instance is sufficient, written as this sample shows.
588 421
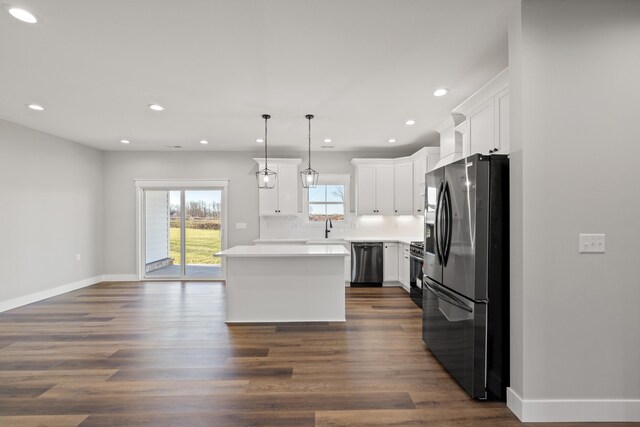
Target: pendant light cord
309 117
265 144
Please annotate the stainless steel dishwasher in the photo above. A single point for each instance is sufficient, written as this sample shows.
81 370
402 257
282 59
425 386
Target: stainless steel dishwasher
366 263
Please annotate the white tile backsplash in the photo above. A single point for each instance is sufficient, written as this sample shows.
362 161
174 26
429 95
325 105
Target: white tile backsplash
354 226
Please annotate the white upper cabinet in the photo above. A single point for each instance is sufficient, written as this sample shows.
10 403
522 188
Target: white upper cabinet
486 129
419 171
393 186
374 188
425 161
502 121
481 128
283 199
384 189
366 189
287 189
403 191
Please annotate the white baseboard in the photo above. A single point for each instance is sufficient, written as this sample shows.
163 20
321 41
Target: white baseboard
39 296
120 278
58 290
573 410
514 403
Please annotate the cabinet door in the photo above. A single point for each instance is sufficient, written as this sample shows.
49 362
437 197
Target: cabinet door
482 129
403 189
287 187
384 190
268 199
406 269
419 171
502 121
366 189
401 277
390 262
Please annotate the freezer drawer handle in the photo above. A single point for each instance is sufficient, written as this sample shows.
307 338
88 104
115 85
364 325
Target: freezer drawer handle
450 299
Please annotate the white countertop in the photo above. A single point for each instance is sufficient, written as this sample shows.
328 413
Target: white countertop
403 240
284 251
281 240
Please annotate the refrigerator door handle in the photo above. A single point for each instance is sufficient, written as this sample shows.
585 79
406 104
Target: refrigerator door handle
438 237
449 299
448 223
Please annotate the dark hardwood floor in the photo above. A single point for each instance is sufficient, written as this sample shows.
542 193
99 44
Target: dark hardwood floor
160 354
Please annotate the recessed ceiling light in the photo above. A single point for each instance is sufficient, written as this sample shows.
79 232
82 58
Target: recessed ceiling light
125 141
410 122
22 15
204 142
156 107
35 107
259 140
392 141
440 92
327 140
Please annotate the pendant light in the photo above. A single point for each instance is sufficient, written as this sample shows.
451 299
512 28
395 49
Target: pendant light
309 176
266 177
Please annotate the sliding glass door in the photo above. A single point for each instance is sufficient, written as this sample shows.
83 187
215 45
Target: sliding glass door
183 228
203 209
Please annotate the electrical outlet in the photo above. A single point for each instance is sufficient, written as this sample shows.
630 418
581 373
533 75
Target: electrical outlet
241 225
77 257
592 243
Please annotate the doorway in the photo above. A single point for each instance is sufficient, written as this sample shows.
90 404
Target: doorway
180 230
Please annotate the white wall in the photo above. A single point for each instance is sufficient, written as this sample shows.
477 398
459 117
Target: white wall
122 168
157 225
576 92
51 195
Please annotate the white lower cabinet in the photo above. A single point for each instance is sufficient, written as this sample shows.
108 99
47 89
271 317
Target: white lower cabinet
401 277
405 266
390 262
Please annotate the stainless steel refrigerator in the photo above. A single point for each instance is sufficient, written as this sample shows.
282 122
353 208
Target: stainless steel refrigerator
465 320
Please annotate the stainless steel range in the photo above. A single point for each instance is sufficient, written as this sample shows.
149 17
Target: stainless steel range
416 251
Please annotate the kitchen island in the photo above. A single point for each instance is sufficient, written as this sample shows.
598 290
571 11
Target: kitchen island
285 283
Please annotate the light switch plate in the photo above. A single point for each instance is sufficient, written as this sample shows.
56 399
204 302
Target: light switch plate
241 225
592 243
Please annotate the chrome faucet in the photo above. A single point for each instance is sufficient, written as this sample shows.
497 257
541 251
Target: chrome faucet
326 229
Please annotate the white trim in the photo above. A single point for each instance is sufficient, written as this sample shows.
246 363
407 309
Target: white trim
514 403
489 90
182 184
52 292
573 410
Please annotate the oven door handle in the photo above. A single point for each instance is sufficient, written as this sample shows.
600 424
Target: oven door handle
449 299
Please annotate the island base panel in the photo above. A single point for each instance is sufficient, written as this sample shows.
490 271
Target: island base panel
285 289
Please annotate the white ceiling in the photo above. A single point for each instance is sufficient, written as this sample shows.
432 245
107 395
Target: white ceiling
363 67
